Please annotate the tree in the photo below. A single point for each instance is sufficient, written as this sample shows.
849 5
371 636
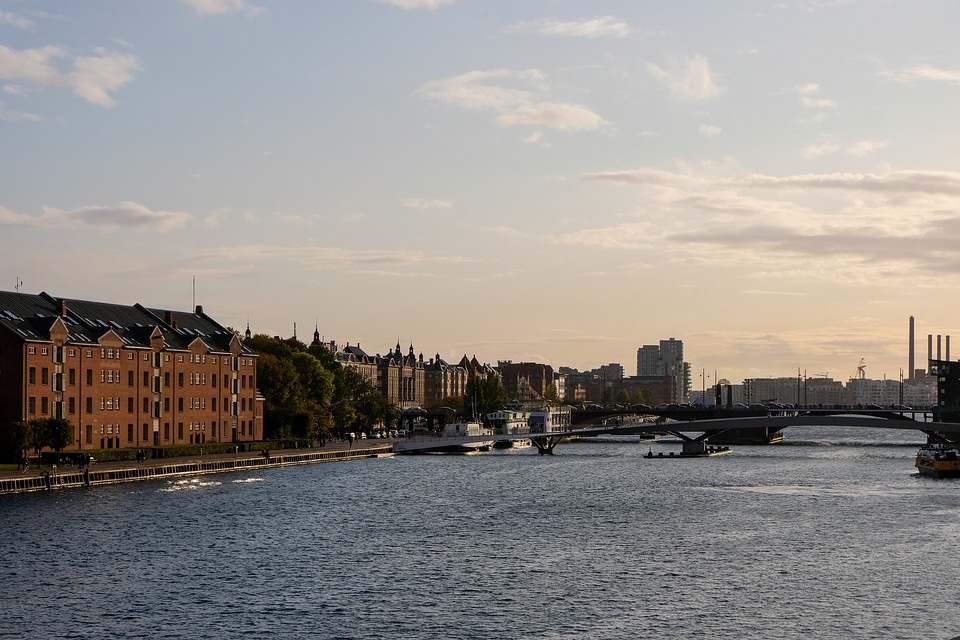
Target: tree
20 437
59 434
483 395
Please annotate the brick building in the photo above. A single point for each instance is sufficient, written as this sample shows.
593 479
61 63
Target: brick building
125 376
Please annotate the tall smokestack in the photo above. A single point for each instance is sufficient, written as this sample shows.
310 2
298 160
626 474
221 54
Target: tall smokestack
929 351
911 356
939 356
946 353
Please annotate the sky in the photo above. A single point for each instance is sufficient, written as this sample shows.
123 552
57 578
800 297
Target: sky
775 183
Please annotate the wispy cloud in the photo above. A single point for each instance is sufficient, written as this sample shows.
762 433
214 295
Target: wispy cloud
16 20
10 115
221 7
709 130
874 227
518 98
425 203
379 261
689 78
602 27
123 216
91 77
418 4
917 73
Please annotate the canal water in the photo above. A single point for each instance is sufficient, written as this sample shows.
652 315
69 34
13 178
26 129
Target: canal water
830 535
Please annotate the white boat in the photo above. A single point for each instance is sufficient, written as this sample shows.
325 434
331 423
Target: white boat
509 422
472 436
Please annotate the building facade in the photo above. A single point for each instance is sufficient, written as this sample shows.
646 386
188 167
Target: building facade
126 376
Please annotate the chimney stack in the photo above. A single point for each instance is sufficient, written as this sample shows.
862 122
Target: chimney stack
911 357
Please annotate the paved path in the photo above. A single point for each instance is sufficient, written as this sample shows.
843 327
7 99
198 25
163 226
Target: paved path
207 458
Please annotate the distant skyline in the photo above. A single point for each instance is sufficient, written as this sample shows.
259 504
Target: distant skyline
775 183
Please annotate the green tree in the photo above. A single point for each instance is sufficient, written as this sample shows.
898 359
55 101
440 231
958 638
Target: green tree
18 440
483 395
59 434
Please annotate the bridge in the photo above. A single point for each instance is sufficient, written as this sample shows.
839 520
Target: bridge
696 432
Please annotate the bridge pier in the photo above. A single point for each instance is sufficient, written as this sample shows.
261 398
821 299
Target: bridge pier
546 444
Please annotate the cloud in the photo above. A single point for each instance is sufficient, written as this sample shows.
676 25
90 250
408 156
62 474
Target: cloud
688 78
13 19
123 216
376 261
605 26
423 203
709 131
8 115
820 149
518 98
418 4
918 73
91 77
220 7
901 226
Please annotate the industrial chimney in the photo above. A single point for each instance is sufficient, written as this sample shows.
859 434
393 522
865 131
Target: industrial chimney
911 356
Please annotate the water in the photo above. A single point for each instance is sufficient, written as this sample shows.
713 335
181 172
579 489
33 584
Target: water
832 535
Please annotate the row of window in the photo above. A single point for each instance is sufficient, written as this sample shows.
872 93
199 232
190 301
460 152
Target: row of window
195 427
112 376
114 404
116 354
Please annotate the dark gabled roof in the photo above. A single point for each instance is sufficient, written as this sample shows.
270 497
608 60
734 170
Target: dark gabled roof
30 317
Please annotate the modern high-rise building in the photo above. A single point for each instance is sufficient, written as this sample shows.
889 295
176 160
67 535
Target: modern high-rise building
666 359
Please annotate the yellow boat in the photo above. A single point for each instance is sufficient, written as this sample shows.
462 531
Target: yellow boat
939 461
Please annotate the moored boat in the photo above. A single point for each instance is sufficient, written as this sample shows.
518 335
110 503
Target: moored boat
474 436
509 422
939 461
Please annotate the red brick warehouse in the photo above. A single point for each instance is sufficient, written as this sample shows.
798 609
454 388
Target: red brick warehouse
126 376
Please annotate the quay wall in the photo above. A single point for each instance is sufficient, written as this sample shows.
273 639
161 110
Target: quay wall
153 470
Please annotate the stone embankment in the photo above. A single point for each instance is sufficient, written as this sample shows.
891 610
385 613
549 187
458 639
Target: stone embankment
113 472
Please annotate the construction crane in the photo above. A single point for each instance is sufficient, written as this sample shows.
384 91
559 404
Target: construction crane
861 371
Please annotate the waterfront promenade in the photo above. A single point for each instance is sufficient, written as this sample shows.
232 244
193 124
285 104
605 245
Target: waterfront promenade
67 476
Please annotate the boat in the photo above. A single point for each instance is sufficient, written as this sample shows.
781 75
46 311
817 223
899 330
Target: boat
509 421
474 436
939 460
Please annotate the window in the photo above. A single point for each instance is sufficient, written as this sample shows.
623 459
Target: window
72 377
166 404
146 431
129 378
243 381
89 377
166 379
180 379
44 406
146 378
130 406
32 350
180 428
89 405
43 351
179 404
31 405
180 359
71 352
44 375
156 409
166 430
71 405
213 404
89 434
103 376
130 432
32 375
213 380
